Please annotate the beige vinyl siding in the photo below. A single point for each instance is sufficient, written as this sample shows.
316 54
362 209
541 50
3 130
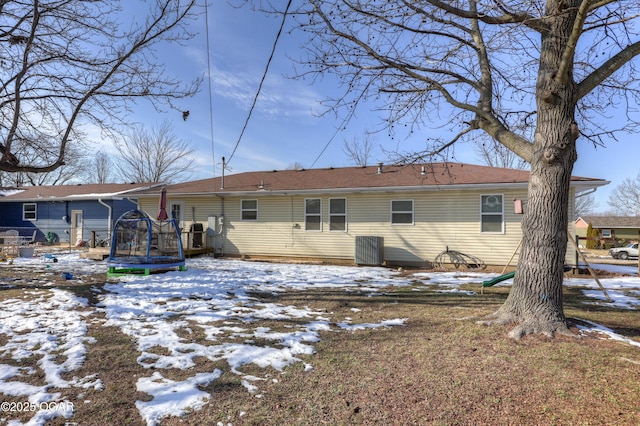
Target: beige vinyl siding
280 230
442 219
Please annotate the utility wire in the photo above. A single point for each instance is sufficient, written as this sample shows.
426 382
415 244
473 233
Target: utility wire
343 124
264 76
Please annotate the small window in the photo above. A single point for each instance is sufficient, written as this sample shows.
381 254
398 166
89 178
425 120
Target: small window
29 211
249 210
402 212
312 214
176 211
338 214
492 213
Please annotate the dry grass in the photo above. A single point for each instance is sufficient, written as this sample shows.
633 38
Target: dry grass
439 369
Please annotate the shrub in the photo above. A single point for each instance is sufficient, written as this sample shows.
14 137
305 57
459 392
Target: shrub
592 238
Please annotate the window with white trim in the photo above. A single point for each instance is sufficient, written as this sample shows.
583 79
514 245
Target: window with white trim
606 233
402 212
313 214
249 210
337 214
491 213
29 211
176 212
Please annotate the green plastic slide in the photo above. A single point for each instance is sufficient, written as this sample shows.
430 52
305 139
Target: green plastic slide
498 279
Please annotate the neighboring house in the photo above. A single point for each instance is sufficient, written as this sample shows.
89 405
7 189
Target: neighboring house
611 229
66 213
413 212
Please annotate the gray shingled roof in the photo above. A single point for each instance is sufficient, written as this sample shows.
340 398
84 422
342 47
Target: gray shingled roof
435 176
438 175
612 221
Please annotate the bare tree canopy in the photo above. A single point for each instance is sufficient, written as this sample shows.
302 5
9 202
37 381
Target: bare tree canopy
103 168
69 63
155 155
494 154
359 150
554 69
585 205
624 199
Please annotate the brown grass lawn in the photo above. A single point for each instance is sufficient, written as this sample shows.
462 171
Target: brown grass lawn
440 368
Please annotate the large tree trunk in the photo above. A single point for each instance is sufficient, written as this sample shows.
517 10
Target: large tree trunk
535 300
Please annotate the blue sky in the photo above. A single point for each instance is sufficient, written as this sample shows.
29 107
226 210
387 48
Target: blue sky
286 126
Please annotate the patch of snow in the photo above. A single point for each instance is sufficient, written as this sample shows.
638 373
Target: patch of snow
171 398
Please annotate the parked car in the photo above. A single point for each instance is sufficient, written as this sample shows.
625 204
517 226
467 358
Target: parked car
630 250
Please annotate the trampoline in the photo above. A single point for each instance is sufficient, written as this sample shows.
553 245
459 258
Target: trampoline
140 245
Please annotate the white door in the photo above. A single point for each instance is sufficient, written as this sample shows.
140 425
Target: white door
76 226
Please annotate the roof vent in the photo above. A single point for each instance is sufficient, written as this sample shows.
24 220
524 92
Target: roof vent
379 168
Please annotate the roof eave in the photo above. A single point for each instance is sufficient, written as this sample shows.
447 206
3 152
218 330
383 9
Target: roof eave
257 192
586 184
72 198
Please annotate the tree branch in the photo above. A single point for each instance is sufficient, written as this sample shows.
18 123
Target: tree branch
507 18
562 76
605 70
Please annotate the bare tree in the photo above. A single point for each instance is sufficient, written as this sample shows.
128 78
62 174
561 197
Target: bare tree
585 205
103 168
624 199
295 166
494 154
155 155
552 68
69 63
359 150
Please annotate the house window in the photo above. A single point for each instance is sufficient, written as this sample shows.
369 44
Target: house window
606 233
29 211
491 213
176 212
249 210
312 214
402 212
338 214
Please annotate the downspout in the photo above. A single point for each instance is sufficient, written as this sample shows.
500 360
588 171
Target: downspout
109 217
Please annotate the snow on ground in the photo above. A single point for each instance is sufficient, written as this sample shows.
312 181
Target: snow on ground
45 324
213 298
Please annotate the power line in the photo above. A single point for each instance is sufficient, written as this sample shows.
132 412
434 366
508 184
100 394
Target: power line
347 118
264 76
344 122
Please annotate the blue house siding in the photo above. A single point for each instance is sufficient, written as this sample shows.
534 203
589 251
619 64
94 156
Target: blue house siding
54 218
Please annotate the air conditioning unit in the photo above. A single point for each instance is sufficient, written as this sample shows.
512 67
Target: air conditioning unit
369 250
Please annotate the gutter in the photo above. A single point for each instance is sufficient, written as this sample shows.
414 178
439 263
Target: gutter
485 186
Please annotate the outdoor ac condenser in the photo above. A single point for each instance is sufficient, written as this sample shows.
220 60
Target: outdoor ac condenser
369 250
